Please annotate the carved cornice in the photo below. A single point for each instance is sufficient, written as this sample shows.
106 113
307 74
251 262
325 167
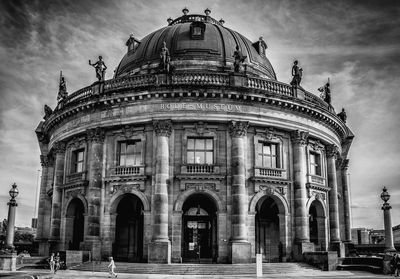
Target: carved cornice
269 133
238 128
59 147
299 137
163 127
76 142
201 128
96 135
316 145
332 151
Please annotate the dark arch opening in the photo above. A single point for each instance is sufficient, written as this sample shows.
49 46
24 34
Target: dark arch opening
74 224
128 245
317 225
268 231
199 229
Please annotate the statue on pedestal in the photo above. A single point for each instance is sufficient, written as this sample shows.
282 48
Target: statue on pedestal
342 115
239 59
62 90
164 58
100 68
297 74
47 111
326 93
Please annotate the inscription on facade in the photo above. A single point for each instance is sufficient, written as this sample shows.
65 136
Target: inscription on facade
202 107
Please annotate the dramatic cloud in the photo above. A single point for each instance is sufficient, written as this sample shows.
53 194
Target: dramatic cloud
354 43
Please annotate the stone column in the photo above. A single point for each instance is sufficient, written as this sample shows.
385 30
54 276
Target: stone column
387 220
301 226
159 250
95 138
240 247
42 233
332 152
346 200
59 150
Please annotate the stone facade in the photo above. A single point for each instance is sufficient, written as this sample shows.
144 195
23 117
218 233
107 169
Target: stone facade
191 165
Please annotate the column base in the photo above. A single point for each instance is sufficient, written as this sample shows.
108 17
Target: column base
159 252
339 247
240 252
300 248
8 261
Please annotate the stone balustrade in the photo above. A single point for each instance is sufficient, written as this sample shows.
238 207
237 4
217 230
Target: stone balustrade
270 172
200 79
128 170
271 86
76 177
195 168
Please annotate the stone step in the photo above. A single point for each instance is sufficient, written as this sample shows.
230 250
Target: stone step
199 269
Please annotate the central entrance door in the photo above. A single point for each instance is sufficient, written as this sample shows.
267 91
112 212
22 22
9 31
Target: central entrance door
199 230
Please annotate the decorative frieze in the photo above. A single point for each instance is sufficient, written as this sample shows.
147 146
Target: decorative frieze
163 127
269 134
299 137
76 143
74 193
59 147
96 135
200 186
332 151
238 128
201 128
128 188
316 145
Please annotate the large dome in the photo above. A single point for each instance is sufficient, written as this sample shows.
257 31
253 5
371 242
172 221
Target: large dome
189 39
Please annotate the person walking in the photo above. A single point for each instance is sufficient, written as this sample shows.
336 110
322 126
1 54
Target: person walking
56 263
51 262
111 268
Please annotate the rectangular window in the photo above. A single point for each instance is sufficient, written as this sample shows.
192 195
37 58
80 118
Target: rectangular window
200 151
315 163
129 153
268 155
77 160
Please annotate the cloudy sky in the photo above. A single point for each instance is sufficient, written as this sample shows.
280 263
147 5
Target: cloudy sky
355 43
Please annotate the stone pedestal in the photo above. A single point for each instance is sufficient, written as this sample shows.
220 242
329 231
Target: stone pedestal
159 252
98 88
240 252
338 247
8 261
300 248
237 79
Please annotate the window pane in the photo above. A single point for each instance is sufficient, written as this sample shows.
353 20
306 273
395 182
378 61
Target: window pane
130 148
79 167
273 149
129 160
122 148
312 158
80 156
267 162
259 160
122 160
273 162
199 144
209 144
190 144
199 158
209 158
267 149
190 157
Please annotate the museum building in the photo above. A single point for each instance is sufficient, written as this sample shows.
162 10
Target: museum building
193 151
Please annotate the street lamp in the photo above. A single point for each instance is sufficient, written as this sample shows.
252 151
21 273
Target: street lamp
389 245
12 205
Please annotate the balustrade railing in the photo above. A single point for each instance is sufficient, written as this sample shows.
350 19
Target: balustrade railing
270 172
131 81
200 79
128 170
75 177
80 94
270 85
200 168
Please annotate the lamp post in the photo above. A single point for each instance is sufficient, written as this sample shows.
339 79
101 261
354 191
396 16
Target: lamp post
389 247
12 206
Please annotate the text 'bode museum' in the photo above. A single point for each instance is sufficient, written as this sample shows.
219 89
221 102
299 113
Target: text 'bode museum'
193 151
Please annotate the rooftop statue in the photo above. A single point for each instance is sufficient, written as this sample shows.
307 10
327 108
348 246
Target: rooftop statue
342 115
62 90
297 74
239 59
47 111
326 92
100 68
165 58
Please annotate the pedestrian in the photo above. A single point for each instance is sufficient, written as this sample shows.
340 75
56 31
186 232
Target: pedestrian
397 265
111 268
51 262
56 263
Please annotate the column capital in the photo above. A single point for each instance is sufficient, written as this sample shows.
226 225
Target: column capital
59 147
162 127
345 164
299 137
96 135
44 161
238 129
332 151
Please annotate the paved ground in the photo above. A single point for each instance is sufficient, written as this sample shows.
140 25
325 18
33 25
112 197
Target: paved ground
44 274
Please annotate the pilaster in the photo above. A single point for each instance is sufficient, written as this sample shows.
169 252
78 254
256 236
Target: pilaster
346 200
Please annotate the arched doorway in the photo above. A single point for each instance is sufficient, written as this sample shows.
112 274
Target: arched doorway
199 222
128 245
74 228
267 230
317 225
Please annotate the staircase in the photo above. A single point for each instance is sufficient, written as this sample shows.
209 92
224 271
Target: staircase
201 269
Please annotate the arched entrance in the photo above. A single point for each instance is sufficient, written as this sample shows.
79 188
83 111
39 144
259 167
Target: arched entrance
128 245
199 229
74 228
268 230
317 225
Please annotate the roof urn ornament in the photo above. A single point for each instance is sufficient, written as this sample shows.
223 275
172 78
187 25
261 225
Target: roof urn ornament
297 74
239 59
47 111
207 12
169 20
222 21
185 11
100 68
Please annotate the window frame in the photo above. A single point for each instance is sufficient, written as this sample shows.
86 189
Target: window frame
313 164
203 151
276 156
137 156
75 160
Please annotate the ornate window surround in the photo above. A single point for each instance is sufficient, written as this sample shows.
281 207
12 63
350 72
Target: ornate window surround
315 146
77 143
